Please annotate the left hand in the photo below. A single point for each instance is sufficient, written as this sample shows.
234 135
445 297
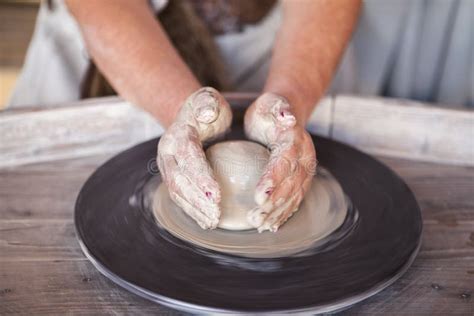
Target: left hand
190 181
292 164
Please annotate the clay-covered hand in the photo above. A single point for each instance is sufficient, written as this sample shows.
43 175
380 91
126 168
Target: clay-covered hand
290 170
181 159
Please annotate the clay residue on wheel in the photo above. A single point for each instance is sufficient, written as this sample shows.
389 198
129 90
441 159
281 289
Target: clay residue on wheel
324 209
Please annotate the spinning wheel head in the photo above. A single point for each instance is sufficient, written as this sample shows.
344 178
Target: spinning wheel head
118 232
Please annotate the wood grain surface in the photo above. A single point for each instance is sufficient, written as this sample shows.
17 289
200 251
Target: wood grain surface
389 127
403 128
42 269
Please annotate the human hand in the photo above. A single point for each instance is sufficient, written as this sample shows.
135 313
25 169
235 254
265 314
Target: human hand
291 166
181 159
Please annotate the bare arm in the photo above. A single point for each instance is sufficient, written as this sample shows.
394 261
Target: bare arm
307 50
132 50
308 47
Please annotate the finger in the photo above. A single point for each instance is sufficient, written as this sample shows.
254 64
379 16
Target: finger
211 112
280 167
284 190
265 102
306 184
277 107
199 209
264 188
167 166
303 171
200 218
188 190
281 113
298 185
264 217
290 188
284 201
196 166
205 105
280 214
296 190
257 215
186 195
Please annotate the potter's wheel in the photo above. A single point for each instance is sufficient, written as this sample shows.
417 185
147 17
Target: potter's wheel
373 246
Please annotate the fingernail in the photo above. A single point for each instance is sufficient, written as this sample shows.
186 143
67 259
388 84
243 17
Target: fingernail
206 114
286 118
212 194
285 113
263 191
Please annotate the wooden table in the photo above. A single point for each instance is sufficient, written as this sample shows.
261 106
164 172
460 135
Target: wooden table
43 271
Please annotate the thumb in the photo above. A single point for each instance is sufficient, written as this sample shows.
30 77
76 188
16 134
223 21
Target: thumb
205 105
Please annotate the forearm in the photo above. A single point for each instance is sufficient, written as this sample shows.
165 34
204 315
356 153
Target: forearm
133 52
307 50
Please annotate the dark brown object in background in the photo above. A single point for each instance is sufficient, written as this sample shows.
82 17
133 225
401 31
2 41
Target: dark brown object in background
192 40
226 16
17 23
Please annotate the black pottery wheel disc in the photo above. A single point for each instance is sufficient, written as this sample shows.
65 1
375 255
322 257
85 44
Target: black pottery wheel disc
120 237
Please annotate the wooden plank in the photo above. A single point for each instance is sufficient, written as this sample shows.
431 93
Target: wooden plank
444 192
387 127
75 131
66 287
42 269
442 241
60 287
44 190
43 240
105 125
400 128
430 287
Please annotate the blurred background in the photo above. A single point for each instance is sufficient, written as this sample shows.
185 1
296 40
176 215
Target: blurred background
420 50
17 23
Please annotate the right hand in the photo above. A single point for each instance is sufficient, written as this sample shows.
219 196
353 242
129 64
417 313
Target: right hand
181 159
290 171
